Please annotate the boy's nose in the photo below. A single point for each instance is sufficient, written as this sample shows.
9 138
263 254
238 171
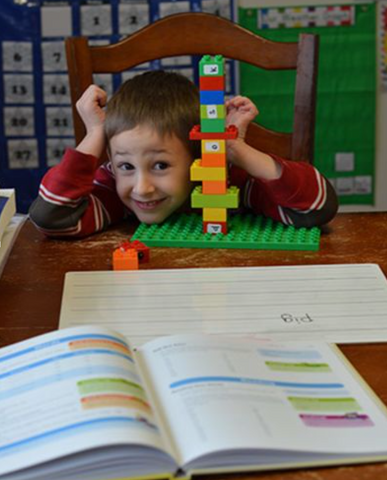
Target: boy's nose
143 185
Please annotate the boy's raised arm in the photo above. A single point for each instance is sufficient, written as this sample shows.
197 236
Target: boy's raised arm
241 111
77 197
292 192
90 108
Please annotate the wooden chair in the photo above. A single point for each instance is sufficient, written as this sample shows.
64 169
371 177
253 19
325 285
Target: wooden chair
199 34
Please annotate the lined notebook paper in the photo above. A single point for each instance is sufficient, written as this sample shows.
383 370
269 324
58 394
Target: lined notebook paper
335 303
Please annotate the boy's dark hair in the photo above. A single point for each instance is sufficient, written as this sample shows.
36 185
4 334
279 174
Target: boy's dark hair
166 101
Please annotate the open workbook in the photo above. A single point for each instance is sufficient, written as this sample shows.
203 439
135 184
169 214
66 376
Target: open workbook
80 403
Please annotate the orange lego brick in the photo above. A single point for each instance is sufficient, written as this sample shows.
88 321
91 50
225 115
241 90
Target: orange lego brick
214 160
214 188
125 259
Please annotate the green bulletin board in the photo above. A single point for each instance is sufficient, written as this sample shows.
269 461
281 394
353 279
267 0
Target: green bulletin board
346 98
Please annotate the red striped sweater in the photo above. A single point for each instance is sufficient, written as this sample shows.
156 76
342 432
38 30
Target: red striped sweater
78 197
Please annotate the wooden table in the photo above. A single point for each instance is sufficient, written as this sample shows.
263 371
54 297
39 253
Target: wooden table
32 282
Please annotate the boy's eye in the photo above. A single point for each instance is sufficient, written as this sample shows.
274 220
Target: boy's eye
125 166
161 166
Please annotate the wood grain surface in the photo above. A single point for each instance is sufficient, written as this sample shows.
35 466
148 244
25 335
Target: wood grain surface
32 282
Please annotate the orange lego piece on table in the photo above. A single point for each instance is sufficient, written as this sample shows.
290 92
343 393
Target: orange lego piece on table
125 259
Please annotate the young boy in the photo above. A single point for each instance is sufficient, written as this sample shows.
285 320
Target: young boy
145 130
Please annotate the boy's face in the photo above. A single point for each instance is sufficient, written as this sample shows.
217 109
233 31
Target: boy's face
152 172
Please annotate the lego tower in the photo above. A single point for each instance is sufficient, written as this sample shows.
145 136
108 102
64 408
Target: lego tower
213 196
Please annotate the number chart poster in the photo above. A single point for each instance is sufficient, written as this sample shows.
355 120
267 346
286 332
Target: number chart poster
35 109
346 88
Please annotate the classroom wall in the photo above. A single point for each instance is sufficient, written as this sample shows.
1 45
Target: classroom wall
35 114
346 160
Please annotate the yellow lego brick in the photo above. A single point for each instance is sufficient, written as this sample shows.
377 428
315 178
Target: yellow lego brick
199 173
214 214
213 146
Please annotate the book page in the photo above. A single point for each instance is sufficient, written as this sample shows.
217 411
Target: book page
334 303
221 394
68 391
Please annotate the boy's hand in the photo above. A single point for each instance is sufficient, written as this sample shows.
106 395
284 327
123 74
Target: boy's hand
90 108
241 111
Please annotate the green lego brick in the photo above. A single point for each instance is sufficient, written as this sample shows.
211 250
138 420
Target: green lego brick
229 200
213 125
213 112
211 66
244 231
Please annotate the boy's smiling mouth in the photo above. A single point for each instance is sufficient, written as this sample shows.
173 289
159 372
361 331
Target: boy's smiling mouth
148 205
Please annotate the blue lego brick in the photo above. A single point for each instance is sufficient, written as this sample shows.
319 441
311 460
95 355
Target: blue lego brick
244 231
212 97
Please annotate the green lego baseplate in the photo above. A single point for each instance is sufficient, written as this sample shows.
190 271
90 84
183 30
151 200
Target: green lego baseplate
245 231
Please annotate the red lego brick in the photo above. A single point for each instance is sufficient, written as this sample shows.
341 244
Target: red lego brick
125 245
215 227
142 251
140 248
212 83
230 134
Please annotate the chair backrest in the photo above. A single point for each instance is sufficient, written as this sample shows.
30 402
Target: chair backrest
200 34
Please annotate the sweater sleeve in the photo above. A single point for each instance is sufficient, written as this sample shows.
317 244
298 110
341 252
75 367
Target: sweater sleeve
76 198
301 196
